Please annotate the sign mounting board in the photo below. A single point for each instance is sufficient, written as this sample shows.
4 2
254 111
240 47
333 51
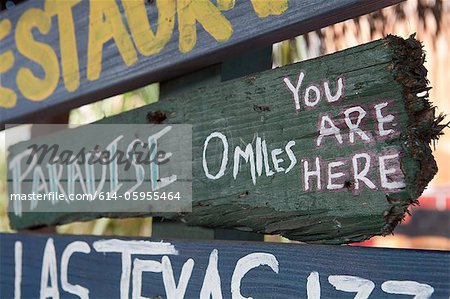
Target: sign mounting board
333 149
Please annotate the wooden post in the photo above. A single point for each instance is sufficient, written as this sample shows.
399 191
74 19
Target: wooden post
246 64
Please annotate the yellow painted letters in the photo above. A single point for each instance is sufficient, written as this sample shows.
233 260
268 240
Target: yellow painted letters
105 23
7 96
32 87
208 15
146 42
67 40
264 8
225 4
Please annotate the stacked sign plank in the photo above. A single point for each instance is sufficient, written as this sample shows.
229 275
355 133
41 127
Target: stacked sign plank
264 146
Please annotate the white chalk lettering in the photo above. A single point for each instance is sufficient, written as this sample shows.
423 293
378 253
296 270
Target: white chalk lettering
276 161
354 127
37 186
17 269
267 169
113 169
211 287
383 120
331 175
339 91
138 168
327 128
248 156
158 182
49 268
77 246
133 269
352 284
418 290
126 249
307 97
223 165
384 173
19 176
312 94
291 155
172 290
259 156
245 264
313 286
309 173
361 175
140 266
295 90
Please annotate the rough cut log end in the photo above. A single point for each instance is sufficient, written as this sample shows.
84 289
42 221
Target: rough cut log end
423 127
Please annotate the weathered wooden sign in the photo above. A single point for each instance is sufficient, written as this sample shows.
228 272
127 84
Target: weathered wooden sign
56 55
99 267
331 150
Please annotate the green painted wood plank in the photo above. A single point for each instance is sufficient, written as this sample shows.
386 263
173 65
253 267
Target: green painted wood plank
388 73
250 62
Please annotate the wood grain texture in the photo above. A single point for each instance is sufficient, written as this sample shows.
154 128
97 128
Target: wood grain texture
261 105
292 266
249 31
247 63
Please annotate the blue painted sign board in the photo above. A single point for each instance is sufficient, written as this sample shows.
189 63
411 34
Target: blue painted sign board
43 266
